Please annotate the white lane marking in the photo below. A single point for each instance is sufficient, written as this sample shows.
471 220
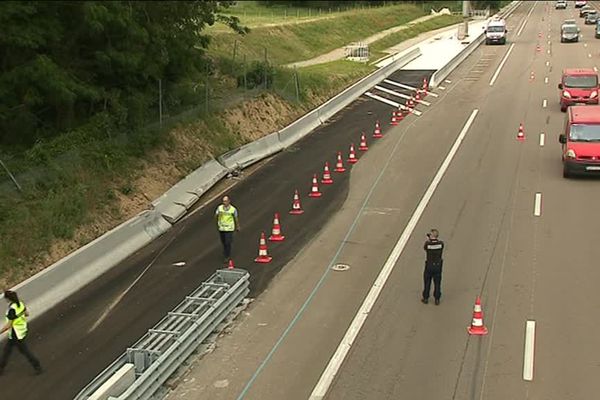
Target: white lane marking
544 103
548 51
547 63
549 42
333 367
542 139
537 205
444 87
390 102
447 81
495 76
393 93
525 21
403 86
585 45
546 80
589 55
529 351
595 69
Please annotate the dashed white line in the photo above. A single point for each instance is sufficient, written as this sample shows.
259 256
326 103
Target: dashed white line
495 76
546 80
547 63
549 42
589 55
327 377
585 45
447 81
529 351
595 69
537 205
544 103
442 87
403 86
548 51
542 139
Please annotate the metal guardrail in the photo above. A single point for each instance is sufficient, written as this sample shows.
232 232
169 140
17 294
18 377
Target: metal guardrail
162 349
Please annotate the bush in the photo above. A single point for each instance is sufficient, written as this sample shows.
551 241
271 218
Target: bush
255 75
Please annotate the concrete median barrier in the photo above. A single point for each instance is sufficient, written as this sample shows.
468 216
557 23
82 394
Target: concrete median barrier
252 152
57 282
204 178
299 128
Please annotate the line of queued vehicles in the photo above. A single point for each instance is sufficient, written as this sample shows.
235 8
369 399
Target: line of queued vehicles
579 87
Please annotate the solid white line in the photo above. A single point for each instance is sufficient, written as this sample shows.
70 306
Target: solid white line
542 139
403 86
525 21
529 351
546 80
495 76
537 206
321 388
544 103
393 93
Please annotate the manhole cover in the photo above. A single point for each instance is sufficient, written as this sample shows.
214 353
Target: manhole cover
341 267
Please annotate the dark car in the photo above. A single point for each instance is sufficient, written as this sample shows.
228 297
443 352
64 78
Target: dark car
591 17
598 30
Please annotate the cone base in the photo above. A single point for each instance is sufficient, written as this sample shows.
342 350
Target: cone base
363 148
327 181
393 123
263 259
279 238
377 136
313 194
480 331
340 170
296 212
352 161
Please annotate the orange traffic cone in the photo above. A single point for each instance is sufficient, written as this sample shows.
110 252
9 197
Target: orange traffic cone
276 235
363 143
339 164
417 95
314 190
394 121
263 255
400 115
230 265
377 132
425 86
326 180
521 133
296 206
477 327
352 156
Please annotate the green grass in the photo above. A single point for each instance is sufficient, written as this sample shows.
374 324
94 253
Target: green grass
376 49
296 42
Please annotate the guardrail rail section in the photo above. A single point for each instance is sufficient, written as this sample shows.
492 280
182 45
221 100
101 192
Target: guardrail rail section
140 372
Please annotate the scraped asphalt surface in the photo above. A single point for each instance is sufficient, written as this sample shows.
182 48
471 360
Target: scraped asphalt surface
79 338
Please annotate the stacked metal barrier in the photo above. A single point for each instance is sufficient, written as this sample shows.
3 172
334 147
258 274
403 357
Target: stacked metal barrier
163 348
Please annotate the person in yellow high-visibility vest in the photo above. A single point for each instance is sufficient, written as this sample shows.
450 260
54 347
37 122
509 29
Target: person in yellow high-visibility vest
16 326
228 222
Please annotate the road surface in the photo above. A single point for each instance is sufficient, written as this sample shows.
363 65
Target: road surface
517 234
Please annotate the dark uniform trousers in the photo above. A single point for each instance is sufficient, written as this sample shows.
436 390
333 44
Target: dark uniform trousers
226 241
433 272
22 347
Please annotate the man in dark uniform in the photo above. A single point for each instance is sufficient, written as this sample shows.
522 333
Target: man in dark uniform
433 266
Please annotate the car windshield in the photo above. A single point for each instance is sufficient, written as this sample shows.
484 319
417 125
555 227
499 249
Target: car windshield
495 28
570 29
581 81
585 133
592 14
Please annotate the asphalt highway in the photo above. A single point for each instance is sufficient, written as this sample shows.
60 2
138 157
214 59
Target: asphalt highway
518 234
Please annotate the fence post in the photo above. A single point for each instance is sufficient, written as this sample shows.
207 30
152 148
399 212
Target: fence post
160 102
265 69
297 84
234 55
245 81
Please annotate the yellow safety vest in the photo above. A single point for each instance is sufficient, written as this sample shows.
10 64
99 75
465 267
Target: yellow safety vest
19 325
226 220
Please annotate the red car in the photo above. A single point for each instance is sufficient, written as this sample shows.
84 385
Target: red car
581 141
578 86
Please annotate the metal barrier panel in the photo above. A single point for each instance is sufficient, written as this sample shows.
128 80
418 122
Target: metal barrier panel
164 347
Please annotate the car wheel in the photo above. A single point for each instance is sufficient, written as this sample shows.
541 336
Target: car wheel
566 172
563 108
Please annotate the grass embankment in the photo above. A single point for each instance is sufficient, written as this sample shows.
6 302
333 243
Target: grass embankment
87 181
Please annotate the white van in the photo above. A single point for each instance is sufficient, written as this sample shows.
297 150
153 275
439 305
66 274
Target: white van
495 31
